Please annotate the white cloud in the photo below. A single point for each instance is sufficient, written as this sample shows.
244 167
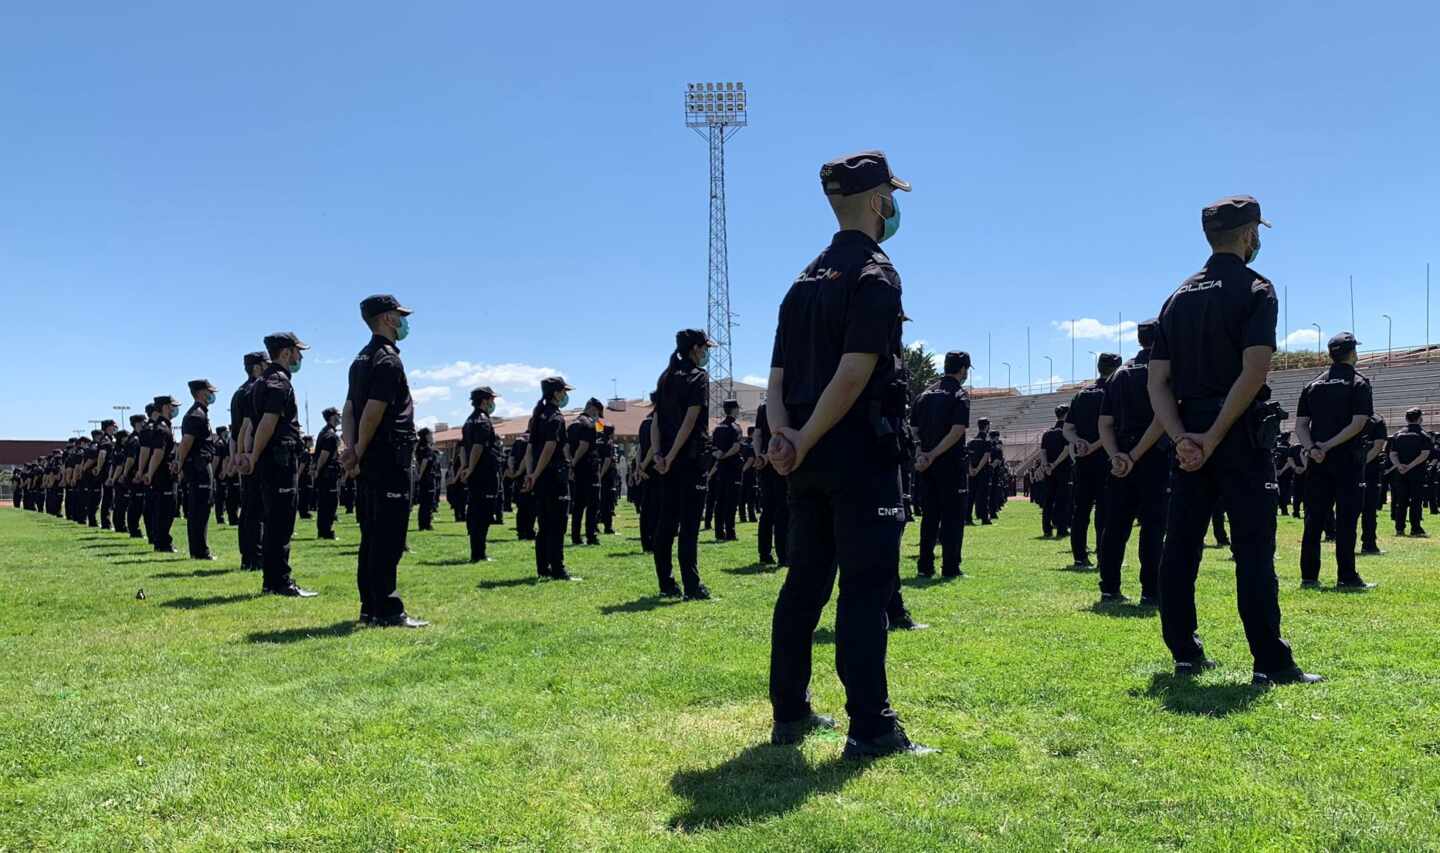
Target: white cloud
505 409
427 422
755 379
430 393
1088 328
465 373
1302 338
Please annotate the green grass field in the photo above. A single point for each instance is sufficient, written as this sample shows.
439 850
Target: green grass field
593 716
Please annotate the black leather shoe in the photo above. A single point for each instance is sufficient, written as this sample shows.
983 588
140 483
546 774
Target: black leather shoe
892 743
1419 533
1370 552
1112 598
170 550
1356 584
1190 668
291 591
399 620
767 561
562 575
1309 584
1149 601
924 573
365 619
699 593
787 734
1294 675
906 622
957 573
671 591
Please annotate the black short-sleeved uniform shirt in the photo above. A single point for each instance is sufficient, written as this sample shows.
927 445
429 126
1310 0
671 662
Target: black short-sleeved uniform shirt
196 424
726 436
222 452
1295 455
762 430
274 395
1209 321
582 431
518 449
602 446
429 476
132 449
644 439
240 407
377 373
1054 443
683 385
1332 399
1084 414
848 300
106 444
478 436
938 409
160 439
328 439
1410 442
1373 432
547 424
975 449
1127 400
91 455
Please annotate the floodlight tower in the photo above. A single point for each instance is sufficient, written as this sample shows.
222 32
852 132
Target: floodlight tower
716 112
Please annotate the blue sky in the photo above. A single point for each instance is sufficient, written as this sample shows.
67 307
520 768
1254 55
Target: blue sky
177 179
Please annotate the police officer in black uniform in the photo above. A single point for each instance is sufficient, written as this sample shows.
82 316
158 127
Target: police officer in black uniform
104 464
1092 464
221 444
524 501
749 512
327 474
584 474
1374 439
547 478
678 435
130 474
977 455
427 478
837 345
941 416
1139 467
1335 409
1212 353
609 455
379 432
196 460
274 460
726 441
774 500
646 481
1410 450
159 474
481 473
1055 469
306 499
251 531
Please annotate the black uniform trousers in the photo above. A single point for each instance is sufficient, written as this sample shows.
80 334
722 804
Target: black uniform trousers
946 489
252 522
681 499
1370 509
121 511
327 503
1243 475
135 509
726 483
107 504
1056 517
382 501
1087 494
161 495
1335 482
982 497
649 512
1217 524
1409 499
197 511
279 487
774 517
234 498
306 496
552 510
1139 496
609 497
1286 483
484 501
524 515
584 502
427 498
847 521
749 497
217 494
457 496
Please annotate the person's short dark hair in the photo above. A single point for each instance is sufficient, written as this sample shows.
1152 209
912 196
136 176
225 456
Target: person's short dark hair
254 358
994 433
732 403
1413 414
982 423
95 433
1062 410
687 339
956 361
1145 332
424 431
138 419
329 412
593 402
149 408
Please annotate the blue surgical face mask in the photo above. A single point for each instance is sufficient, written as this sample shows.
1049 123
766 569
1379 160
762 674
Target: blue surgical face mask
488 407
402 331
564 400
295 368
704 357
892 222
210 398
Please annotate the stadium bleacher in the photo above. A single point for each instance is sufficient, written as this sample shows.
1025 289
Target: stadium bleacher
1022 419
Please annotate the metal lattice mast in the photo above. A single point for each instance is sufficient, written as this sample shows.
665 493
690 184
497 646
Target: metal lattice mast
717 111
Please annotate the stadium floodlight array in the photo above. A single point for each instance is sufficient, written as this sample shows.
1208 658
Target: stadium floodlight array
715 104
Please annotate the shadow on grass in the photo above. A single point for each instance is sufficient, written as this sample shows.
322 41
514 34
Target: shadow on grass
643 604
918 582
824 637
198 573
149 560
1127 610
619 554
760 783
505 583
460 562
1081 570
189 603
752 569
294 635
1187 696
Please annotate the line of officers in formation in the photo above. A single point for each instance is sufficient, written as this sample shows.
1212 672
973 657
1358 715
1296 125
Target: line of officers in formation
841 453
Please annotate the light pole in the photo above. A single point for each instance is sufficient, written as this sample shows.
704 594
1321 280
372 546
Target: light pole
122 410
1052 373
1317 337
1007 374
1094 359
1389 329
